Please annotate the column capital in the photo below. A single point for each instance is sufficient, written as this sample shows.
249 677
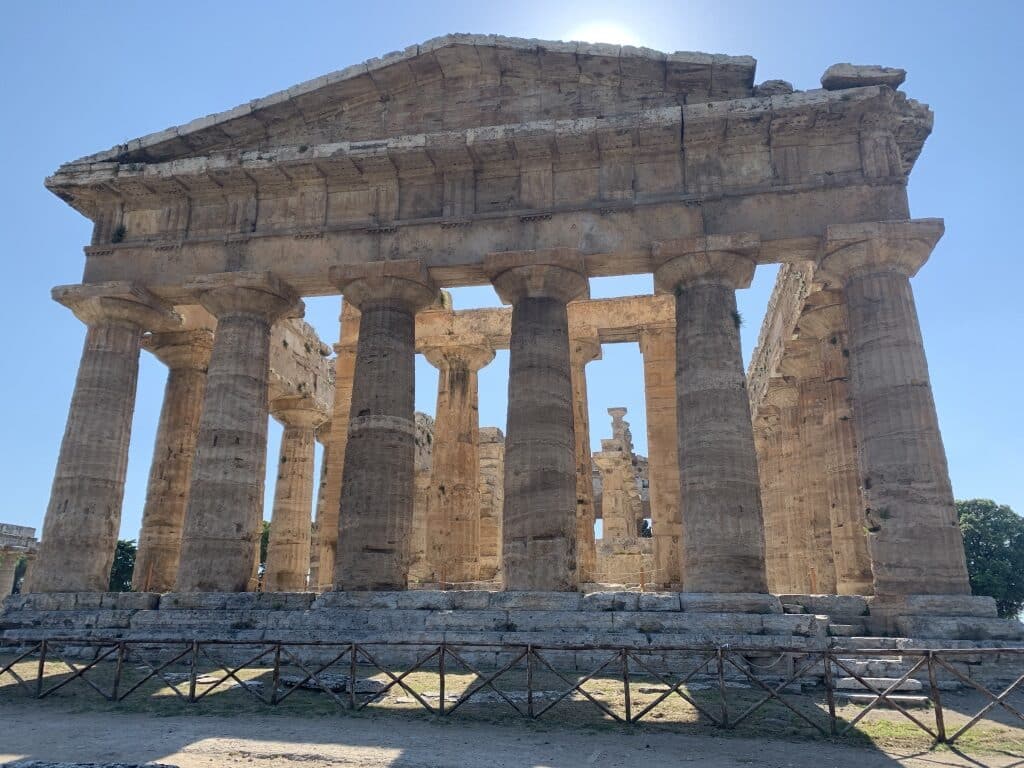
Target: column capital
404 282
554 273
802 359
297 411
648 333
117 302
718 259
822 316
472 349
323 432
878 246
246 293
584 347
181 349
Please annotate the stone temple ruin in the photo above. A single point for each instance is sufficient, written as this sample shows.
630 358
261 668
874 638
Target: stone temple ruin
815 481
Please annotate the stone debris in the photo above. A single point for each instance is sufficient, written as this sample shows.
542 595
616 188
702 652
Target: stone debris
840 76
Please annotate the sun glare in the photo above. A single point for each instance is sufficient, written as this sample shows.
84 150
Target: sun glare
604 32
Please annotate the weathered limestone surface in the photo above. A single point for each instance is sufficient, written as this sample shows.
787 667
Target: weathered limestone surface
225 506
721 509
334 449
453 510
539 519
419 567
582 350
187 355
8 564
289 545
658 347
818 570
623 556
84 514
375 513
840 76
492 500
914 540
825 323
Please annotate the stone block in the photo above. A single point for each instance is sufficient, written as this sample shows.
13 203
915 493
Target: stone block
804 625
239 601
559 621
933 605
130 601
840 76
424 600
610 601
659 601
960 627
537 601
84 601
194 600
283 601
726 602
489 620
881 683
470 600
835 606
357 600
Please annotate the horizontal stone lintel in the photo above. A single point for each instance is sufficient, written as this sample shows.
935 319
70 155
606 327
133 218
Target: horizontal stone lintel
790 225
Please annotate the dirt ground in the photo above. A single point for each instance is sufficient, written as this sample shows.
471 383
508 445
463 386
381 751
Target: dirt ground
274 741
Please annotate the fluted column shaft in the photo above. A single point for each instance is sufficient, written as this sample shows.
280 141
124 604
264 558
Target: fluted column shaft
824 326
84 514
8 564
721 508
658 346
820 564
583 350
187 355
539 519
375 515
288 548
782 503
453 507
915 543
223 518
334 449
491 452
323 436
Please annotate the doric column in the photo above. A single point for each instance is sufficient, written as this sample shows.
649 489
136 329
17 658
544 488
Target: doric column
453 507
225 506
491 449
323 436
539 520
782 501
187 355
375 517
826 324
288 548
913 537
720 498
84 515
658 347
583 350
802 363
8 564
334 449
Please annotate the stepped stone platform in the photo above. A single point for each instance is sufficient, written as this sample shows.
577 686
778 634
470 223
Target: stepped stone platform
761 625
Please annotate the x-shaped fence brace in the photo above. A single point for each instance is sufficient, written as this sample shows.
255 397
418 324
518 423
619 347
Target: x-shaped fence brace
710 663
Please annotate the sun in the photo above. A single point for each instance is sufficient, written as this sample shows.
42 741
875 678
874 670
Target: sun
604 31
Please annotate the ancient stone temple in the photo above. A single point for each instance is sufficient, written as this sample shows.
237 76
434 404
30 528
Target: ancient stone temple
532 167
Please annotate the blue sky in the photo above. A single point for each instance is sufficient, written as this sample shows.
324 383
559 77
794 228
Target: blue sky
80 77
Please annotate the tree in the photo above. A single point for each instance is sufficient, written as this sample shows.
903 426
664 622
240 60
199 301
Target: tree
994 545
123 567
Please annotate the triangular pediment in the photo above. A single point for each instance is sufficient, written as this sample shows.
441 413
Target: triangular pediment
452 83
